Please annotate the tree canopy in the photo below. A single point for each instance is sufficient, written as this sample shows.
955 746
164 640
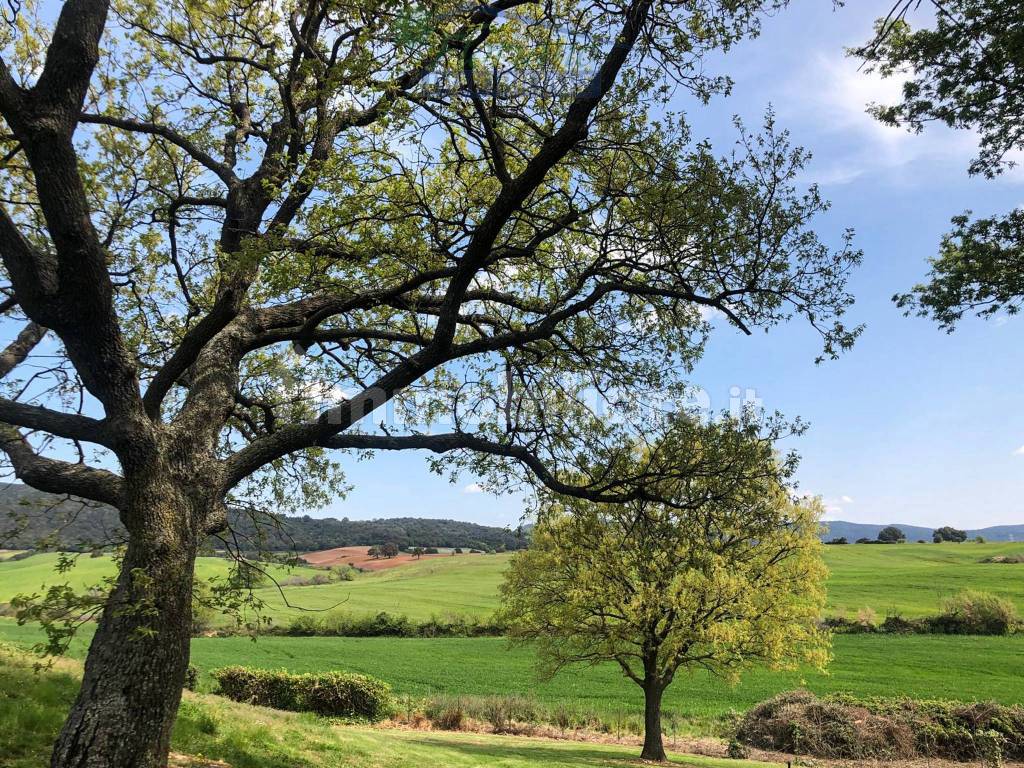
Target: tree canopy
727 576
245 227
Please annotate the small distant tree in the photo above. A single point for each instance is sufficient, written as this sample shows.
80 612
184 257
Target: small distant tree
864 540
979 539
948 533
416 552
374 552
389 550
457 551
891 535
839 540
727 575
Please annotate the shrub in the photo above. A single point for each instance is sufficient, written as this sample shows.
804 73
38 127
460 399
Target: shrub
446 713
976 613
333 694
1013 559
840 727
897 625
383 624
191 678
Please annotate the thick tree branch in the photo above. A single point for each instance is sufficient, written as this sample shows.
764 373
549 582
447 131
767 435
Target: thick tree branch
222 170
16 352
55 476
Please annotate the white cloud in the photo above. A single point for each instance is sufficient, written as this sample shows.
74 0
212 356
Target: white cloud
473 488
833 93
1019 451
846 499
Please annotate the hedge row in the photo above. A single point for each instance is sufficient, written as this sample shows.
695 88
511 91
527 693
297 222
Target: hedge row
839 727
332 694
967 613
383 624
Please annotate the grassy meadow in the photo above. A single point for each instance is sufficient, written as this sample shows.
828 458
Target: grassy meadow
919 666
32 707
910 579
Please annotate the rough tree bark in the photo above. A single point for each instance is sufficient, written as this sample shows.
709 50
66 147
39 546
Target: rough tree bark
137 661
654 748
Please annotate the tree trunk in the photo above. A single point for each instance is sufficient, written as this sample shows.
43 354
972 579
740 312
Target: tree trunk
138 658
653 747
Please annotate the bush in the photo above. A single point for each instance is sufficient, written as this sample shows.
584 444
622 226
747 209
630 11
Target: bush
383 624
446 713
333 694
839 727
191 678
976 613
1012 559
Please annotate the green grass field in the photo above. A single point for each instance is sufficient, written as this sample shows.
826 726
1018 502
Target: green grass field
920 666
35 573
910 579
32 706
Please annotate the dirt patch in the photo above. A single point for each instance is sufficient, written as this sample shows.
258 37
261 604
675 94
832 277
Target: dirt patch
357 557
177 760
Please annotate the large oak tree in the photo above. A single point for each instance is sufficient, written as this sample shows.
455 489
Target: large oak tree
238 228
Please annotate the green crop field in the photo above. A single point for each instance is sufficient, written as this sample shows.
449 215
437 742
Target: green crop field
913 579
920 666
910 579
35 573
435 586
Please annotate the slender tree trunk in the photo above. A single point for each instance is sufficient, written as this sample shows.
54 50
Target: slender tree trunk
137 661
653 747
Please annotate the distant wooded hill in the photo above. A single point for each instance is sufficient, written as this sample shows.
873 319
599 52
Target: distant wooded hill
853 531
28 517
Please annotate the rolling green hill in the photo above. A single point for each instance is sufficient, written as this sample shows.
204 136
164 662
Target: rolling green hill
910 579
37 572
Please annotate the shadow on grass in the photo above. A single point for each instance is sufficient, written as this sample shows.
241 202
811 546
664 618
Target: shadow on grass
534 752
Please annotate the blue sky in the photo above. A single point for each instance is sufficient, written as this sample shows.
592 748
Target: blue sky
913 425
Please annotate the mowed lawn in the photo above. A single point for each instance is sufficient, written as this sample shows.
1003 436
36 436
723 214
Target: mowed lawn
921 666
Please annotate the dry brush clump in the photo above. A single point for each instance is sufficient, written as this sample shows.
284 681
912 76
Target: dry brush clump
839 727
969 612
